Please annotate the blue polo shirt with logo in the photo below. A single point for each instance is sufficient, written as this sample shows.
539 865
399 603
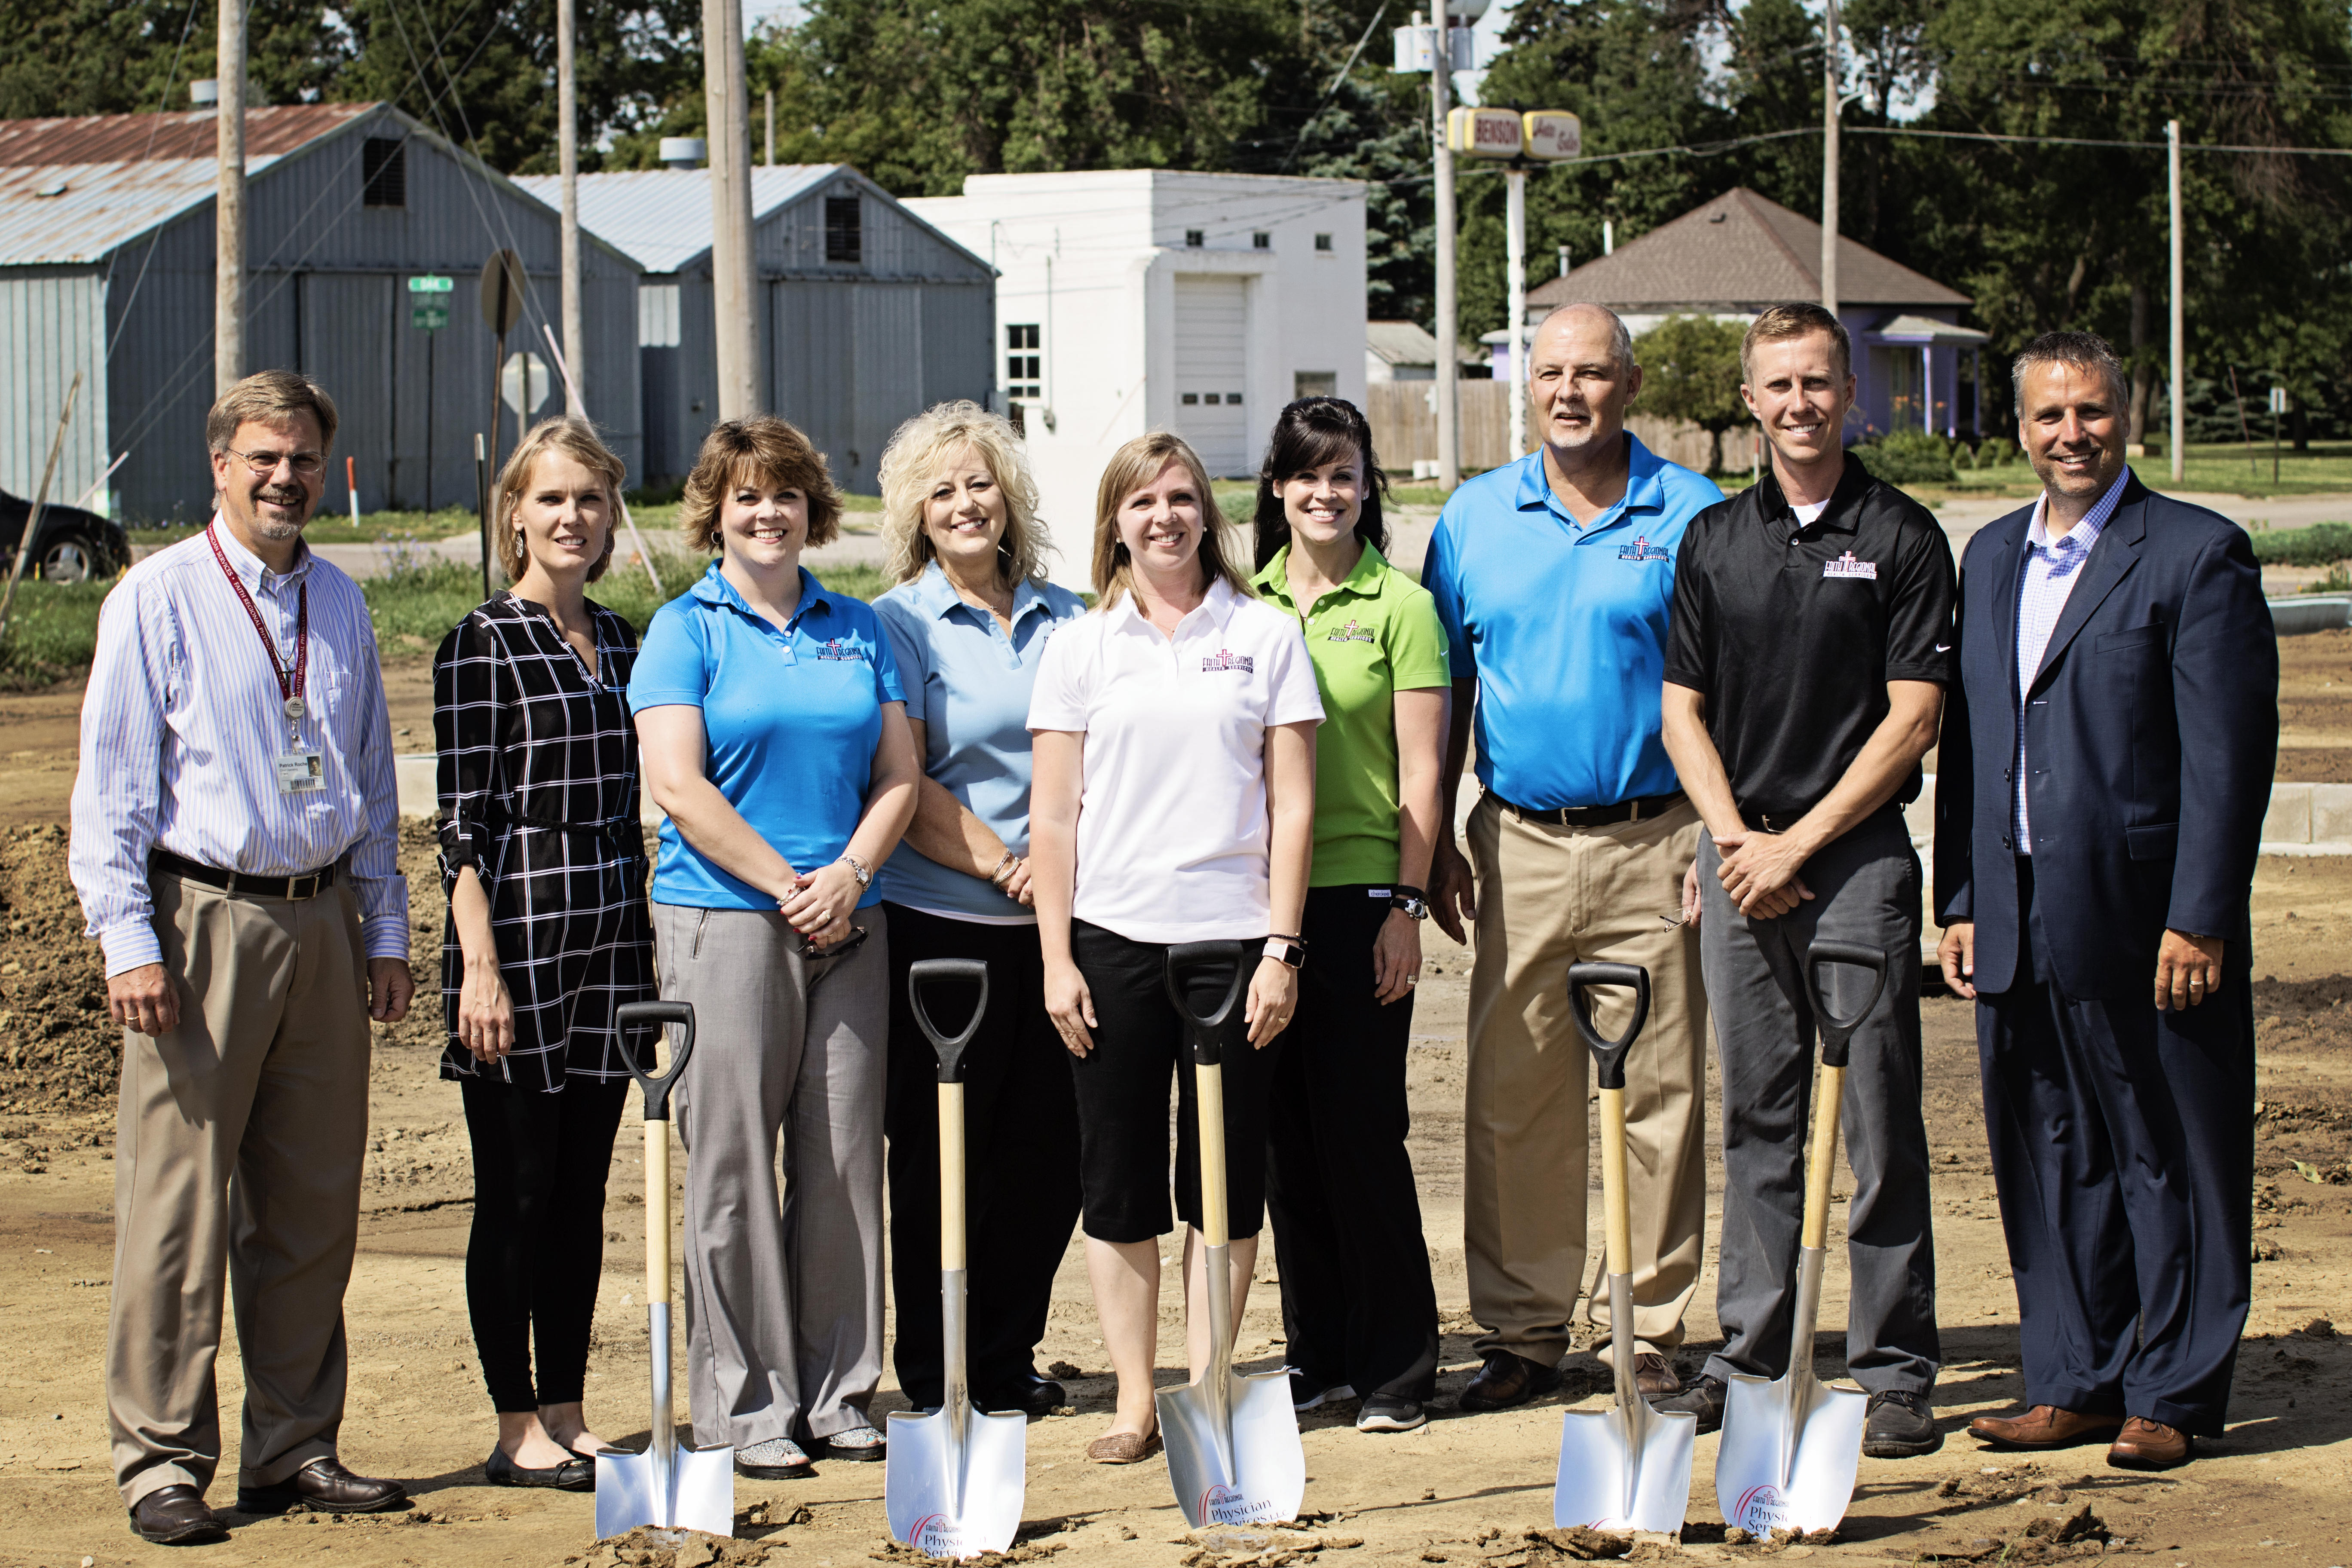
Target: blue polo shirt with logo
790 719
1565 627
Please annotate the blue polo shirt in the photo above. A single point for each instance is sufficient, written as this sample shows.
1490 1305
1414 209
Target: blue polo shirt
1565 627
790 719
969 685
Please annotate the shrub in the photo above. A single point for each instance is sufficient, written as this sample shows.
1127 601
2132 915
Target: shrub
2321 544
1908 458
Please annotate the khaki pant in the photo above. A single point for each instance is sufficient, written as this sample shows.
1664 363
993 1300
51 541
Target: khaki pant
239 1146
1550 897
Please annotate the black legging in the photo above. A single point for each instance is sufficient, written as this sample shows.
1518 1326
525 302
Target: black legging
537 1245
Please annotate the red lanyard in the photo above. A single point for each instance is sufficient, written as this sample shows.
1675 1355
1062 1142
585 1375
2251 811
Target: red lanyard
290 686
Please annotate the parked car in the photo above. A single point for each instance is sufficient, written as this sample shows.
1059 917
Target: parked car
74 545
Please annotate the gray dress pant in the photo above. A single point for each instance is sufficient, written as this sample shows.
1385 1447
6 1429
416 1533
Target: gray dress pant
783 1272
1865 889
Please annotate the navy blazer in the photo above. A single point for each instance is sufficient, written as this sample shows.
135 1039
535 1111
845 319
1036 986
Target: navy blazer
2151 734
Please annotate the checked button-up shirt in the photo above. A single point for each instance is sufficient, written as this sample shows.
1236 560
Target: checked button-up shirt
2053 567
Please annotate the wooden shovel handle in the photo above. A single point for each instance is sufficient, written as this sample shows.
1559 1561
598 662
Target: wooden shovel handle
1821 1160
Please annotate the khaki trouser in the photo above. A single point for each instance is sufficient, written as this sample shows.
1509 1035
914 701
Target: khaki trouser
1550 897
239 1146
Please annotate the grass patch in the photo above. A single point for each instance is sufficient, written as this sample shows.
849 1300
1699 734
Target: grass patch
52 631
2325 469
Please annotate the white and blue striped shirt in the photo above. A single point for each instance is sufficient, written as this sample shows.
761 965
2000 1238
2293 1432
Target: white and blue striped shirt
181 726
2051 569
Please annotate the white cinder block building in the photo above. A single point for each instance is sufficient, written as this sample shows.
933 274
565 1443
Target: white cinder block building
1133 299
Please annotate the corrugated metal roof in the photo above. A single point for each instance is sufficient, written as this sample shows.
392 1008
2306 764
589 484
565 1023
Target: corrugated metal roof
130 138
661 217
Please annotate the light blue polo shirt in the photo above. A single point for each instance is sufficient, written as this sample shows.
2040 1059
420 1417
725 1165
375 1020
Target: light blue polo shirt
790 719
1565 627
969 685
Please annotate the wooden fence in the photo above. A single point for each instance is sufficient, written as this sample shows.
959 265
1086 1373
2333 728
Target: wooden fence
1403 415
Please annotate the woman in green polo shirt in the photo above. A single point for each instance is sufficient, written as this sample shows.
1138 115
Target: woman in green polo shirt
1358 1306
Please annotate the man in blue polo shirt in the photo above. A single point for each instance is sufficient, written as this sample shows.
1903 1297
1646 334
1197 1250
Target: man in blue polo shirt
1554 578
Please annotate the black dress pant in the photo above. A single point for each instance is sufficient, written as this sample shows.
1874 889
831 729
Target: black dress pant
1358 1304
2123 1147
1122 1083
537 1245
1020 1154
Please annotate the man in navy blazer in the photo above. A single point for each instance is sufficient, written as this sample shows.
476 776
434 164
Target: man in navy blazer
2105 764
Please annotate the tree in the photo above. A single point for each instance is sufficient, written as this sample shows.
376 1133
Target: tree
1690 370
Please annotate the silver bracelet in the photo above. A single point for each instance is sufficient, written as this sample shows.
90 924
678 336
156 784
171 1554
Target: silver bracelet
1004 869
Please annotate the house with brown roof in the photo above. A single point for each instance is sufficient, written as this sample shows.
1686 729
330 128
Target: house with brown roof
1915 366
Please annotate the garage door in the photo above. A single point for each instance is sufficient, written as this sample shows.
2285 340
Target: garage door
1211 351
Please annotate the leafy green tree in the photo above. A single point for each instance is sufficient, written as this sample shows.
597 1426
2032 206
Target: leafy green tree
1690 370
124 57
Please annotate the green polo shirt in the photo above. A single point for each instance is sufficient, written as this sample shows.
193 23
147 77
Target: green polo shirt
1374 635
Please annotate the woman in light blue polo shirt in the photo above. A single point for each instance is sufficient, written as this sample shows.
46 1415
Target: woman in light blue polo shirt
773 734
968 622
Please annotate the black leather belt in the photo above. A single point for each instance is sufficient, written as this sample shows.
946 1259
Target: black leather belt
1633 810
308 885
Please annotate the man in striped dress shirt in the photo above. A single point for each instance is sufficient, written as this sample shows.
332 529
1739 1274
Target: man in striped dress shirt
236 834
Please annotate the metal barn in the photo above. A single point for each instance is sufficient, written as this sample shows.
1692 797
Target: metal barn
867 314
106 267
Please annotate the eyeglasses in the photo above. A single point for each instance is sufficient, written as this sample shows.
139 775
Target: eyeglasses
306 465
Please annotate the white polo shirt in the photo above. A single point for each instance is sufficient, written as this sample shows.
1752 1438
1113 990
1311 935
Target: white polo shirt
1172 828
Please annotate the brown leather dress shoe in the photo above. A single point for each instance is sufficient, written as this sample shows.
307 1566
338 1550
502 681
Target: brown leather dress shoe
1654 1376
1123 1447
1506 1380
2144 1444
2043 1427
323 1486
176 1516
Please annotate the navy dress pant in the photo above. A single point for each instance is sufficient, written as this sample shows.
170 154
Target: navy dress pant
2123 1147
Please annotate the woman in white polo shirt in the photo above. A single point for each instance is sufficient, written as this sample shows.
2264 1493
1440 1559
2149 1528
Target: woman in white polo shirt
1172 801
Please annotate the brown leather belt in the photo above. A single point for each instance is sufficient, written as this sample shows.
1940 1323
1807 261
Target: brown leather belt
308 885
1633 810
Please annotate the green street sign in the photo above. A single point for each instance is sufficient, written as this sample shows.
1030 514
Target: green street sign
429 285
430 317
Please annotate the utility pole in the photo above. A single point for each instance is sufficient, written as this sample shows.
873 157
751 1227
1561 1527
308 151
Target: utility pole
726 97
1830 158
228 205
1440 72
1514 235
567 141
771 128
2179 415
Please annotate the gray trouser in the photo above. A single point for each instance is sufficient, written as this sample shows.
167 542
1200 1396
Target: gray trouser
783 1279
1865 889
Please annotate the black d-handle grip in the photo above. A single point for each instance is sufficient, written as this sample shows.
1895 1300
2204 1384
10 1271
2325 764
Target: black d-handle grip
1186 956
1837 1033
1609 1055
654 1015
940 971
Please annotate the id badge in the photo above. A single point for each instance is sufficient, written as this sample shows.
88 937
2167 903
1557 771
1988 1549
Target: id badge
300 771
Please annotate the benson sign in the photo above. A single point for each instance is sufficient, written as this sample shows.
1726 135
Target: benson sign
1543 134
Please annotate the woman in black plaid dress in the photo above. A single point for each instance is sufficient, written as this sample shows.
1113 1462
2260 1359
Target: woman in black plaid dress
544 865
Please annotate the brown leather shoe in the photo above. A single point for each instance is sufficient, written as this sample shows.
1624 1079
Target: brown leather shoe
176 1516
322 1486
1123 1447
1506 1380
1654 1376
2043 1427
2144 1444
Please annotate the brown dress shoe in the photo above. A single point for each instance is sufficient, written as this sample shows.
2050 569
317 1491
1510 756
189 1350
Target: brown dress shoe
2144 1444
2043 1427
176 1516
322 1486
1506 1380
1653 1375
1123 1447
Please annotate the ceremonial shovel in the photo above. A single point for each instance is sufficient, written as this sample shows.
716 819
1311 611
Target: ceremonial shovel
1232 1441
666 1486
953 1484
1627 1469
1790 1446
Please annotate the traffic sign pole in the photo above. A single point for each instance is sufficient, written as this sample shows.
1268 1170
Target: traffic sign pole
429 310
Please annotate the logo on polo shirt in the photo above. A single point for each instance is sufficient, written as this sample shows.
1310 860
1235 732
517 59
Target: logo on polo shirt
1642 550
1221 659
839 647
1846 565
1351 632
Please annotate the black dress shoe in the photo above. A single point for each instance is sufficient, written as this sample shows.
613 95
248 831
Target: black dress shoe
176 1516
1703 1397
323 1486
1027 1392
576 1474
1508 1379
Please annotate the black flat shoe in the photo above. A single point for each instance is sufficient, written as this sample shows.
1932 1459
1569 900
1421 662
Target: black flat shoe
1027 1392
573 1475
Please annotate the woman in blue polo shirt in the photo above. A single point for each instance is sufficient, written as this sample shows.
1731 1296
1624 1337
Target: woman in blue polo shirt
773 733
968 622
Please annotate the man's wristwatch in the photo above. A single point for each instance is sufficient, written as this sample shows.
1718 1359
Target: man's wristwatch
858 868
1290 951
1412 901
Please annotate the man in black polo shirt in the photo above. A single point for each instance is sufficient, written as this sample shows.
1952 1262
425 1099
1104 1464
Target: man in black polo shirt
1805 672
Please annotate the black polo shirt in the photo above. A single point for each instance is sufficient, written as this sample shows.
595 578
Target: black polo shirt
1792 632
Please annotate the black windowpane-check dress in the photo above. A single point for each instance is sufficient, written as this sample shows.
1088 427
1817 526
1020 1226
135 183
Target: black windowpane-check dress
538 795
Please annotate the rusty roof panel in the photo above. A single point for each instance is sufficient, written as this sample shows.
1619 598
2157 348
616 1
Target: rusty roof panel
127 138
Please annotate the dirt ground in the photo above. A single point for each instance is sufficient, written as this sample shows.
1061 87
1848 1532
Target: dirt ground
1465 1489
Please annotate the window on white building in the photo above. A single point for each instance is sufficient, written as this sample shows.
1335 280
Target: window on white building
1022 376
1323 242
1195 237
1262 241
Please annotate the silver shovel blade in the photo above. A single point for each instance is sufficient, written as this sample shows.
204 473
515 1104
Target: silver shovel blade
1268 1479
1790 1450
1599 1467
700 1494
947 1506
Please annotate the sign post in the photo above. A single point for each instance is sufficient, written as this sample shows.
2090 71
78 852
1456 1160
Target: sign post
2278 412
502 297
1521 141
428 310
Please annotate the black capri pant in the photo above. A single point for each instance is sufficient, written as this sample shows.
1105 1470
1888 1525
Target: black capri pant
1122 1088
